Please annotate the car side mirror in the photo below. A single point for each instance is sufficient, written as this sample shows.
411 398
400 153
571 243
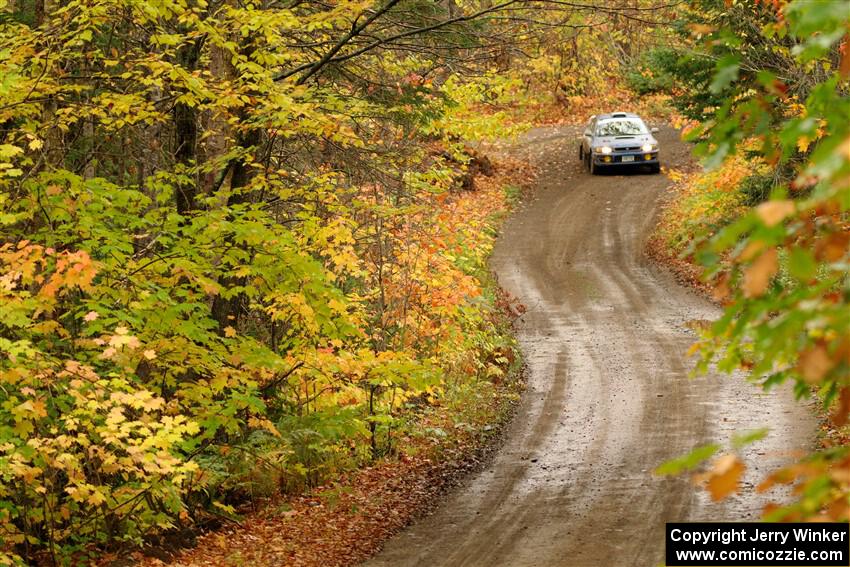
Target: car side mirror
653 130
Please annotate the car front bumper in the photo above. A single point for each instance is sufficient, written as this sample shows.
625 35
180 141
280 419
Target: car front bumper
637 158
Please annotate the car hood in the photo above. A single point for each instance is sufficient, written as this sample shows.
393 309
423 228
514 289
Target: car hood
625 141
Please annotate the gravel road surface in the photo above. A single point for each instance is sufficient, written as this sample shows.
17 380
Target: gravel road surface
605 337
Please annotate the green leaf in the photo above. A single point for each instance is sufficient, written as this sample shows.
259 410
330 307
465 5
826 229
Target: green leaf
687 462
726 73
801 264
809 18
740 440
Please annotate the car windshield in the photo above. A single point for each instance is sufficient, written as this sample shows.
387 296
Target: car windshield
629 127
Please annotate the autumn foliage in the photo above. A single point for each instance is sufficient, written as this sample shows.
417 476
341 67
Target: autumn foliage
243 245
220 280
773 128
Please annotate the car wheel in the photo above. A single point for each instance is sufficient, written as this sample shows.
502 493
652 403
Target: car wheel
592 167
581 153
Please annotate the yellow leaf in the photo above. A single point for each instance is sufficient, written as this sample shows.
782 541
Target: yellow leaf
149 354
262 423
96 498
121 340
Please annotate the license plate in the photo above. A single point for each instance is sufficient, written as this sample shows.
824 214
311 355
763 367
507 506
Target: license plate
628 158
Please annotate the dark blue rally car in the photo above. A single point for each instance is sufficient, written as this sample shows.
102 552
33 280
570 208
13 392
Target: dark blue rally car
619 138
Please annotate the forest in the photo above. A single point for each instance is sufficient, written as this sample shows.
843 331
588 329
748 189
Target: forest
244 245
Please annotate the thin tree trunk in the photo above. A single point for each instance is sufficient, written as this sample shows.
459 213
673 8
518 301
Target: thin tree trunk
186 131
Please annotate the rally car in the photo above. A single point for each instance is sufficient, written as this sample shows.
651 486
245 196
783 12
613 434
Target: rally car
618 139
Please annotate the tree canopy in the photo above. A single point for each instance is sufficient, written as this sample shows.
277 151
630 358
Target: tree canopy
236 251
242 248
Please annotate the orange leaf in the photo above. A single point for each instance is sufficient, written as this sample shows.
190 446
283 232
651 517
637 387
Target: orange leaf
773 212
758 275
723 478
787 475
700 29
751 250
844 49
721 289
833 247
814 363
839 416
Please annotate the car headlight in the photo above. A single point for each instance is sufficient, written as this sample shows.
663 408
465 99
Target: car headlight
649 147
603 150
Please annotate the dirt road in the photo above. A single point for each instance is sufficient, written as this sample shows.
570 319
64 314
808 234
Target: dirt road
608 399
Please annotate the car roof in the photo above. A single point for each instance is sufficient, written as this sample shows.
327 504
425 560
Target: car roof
611 115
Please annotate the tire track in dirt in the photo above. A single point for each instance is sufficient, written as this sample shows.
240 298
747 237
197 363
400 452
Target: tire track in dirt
604 340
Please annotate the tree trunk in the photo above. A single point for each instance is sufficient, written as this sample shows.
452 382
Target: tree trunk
186 131
217 129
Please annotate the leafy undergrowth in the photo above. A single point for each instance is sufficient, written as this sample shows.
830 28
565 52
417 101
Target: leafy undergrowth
699 203
346 522
347 518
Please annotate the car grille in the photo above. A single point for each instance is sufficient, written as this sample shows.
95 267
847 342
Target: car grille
629 149
638 159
